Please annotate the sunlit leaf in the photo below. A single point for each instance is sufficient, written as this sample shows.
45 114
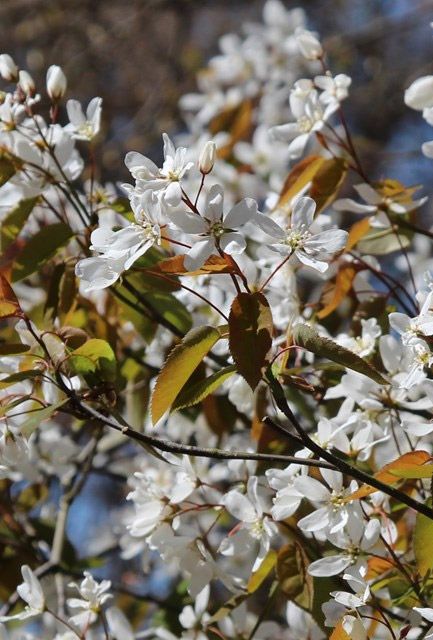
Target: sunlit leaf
388 473
191 395
423 543
299 177
258 577
9 305
180 364
337 292
94 360
327 181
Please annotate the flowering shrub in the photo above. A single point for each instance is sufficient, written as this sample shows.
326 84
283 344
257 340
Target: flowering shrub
226 335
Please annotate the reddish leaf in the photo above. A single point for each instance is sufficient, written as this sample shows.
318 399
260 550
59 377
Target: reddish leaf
250 335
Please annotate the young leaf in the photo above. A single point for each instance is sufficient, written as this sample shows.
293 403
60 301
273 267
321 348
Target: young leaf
191 395
333 296
9 305
94 360
389 473
307 337
423 544
327 181
180 364
15 220
250 335
40 248
36 417
301 174
294 580
258 577
339 633
7 167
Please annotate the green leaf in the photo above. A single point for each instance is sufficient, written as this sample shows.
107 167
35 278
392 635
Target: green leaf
423 543
14 221
7 349
379 242
191 395
294 580
250 335
307 337
94 360
36 417
170 308
180 364
19 377
40 248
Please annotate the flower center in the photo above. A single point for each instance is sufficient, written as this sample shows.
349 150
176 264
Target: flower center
296 238
217 229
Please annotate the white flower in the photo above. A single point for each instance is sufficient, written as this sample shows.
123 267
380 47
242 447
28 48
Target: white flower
419 95
412 329
165 180
364 344
398 204
308 44
287 498
215 229
31 592
358 540
120 249
84 127
248 509
312 249
93 597
332 513
56 82
310 114
333 88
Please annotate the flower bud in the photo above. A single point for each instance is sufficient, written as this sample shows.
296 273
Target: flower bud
419 95
207 157
56 82
26 83
8 68
308 44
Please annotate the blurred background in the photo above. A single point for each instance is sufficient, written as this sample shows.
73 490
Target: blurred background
142 55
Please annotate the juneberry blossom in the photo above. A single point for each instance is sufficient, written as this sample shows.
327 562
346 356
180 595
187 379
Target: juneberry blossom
215 230
165 181
84 126
315 250
310 114
93 596
31 592
118 250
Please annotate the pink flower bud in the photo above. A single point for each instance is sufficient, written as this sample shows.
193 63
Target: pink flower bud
8 68
56 82
207 157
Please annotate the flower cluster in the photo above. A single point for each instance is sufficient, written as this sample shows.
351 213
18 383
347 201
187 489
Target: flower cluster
215 335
